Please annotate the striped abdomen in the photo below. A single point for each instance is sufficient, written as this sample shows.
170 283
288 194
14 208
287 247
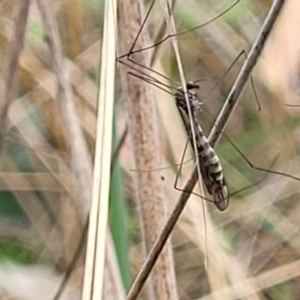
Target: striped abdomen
210 166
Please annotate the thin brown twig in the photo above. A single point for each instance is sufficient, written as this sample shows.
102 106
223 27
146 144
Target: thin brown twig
239 85
12 66
224 116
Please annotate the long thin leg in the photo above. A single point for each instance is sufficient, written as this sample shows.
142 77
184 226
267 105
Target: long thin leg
169 36
133 51
175 185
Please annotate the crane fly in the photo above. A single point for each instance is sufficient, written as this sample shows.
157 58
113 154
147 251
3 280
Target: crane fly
210 166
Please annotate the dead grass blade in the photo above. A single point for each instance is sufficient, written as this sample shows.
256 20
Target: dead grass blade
97 240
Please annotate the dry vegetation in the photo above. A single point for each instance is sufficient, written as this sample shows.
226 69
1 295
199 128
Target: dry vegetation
49 87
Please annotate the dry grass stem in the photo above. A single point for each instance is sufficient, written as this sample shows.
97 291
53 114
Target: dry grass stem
144 134
97 238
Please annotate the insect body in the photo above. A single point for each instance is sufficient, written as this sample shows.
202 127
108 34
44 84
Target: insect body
210 166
